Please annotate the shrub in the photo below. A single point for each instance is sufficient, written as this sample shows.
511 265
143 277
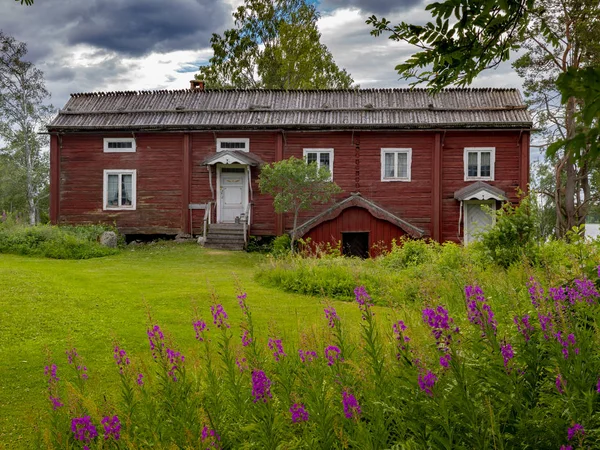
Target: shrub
59 242
281 245
471 374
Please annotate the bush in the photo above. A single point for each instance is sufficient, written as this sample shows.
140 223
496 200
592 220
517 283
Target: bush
281 245
58 242
472 373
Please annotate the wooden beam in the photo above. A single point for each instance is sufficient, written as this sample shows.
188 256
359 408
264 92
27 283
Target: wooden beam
186 184
278 157
436 187
54 180
524 163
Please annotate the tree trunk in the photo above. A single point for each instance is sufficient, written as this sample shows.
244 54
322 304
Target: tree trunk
293 238
569 217
29 170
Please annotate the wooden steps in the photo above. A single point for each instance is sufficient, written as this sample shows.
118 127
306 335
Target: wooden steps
226 236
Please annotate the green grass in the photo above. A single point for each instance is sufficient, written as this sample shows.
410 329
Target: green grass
50 305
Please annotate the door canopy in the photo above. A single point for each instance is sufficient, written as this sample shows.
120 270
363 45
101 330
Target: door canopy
480 191
233 157
356 200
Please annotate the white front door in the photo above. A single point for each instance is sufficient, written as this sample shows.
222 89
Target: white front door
233 195
477 219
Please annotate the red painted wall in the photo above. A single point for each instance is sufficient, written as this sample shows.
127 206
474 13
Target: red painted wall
162 180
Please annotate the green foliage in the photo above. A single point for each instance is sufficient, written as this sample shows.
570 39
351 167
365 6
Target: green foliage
514 234
409 253
64 242
281 245
296 185
274 45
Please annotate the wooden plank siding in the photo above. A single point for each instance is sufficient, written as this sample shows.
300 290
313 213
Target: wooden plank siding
170 174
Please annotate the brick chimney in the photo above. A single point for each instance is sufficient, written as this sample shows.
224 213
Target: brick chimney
196 85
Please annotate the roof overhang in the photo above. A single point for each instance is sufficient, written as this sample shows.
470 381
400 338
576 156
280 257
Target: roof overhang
357 200
480 191
233 157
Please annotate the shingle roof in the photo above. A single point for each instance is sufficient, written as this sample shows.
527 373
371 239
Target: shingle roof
300 109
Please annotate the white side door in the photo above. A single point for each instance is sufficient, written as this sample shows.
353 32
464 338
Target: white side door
477 219
233 194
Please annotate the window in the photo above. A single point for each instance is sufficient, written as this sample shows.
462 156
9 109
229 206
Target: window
322 156
119 145
479 163
395 164
119 189
239 144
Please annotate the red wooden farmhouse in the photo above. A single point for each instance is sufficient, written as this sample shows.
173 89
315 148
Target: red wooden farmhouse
171 162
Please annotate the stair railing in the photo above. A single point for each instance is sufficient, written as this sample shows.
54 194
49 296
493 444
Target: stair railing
207 219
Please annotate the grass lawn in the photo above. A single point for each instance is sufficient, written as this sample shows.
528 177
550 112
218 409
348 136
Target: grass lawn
51 305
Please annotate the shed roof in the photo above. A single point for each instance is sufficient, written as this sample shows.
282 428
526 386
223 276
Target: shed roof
294 109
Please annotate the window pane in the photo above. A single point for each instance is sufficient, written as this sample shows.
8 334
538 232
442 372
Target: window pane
126 190
324 160
472 164
402 165
311 157
112 194
485 164
127 144
388 170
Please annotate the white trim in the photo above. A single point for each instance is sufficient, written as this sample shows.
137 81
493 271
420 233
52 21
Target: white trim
318 151
133 205
245 141
119 150
396 151
479 150
218 195
492 203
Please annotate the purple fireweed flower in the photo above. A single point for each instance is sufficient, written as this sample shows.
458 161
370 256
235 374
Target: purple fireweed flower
536 293
560 384
331 316
50 372
445 360
584 290
299 413
246 339
175 359
56 403
566 447
401 339
546 323
442 326
364 302
524 326
212 436
112 427
121 358
351 407
83 429
276 347
261 386
427 382
566 343
307 356
82 372
72 355
478 310
140 379
242 364
200 327
575 430
507 353
242 302
155 339
219 316
332 354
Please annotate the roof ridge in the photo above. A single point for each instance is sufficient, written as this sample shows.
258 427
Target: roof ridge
189 91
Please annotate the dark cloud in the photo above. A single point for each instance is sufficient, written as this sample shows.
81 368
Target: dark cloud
377 7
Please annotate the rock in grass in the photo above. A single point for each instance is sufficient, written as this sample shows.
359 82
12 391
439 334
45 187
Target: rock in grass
108 239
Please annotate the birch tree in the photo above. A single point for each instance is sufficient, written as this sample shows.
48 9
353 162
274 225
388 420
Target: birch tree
23 109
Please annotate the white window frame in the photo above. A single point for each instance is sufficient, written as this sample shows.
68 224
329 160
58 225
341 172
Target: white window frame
396 151
491 203
318 151
108 172
479 151
119 150
245 141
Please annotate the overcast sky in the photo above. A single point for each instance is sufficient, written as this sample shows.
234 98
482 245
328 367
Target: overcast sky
115 45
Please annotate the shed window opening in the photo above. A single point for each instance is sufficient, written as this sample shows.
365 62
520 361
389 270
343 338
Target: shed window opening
112 144
120 190
396 165
233 144
322 159
479 164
